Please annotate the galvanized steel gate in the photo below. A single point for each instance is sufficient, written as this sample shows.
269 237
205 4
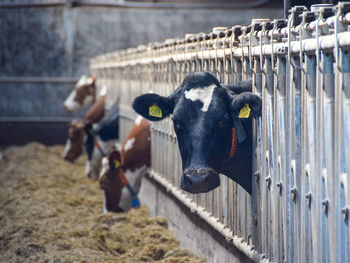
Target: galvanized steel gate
299 210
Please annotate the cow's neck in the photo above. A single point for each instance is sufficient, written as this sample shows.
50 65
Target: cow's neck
240 165
96 112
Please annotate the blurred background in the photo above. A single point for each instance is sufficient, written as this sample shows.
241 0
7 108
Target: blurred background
46 46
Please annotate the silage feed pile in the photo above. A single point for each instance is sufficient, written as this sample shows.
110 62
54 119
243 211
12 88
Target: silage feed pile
50 212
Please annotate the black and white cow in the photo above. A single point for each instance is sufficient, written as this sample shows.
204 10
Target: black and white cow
213 127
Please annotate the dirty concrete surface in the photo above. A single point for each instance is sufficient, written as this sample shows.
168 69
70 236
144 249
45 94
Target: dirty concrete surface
50 212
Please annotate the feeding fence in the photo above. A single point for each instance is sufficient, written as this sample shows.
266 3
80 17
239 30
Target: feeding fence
299 209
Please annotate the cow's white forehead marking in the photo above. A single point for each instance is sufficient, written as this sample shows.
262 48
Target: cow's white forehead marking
138 120
203 94
89 81
70 104
67 147
81 81
104 166
129 144
104 203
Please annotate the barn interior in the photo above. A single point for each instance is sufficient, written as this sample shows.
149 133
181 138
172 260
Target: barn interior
52 212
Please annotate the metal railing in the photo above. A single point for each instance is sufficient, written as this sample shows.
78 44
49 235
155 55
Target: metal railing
134 4
299 209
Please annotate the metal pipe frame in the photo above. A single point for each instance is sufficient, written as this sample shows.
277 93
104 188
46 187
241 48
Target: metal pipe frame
129 4
58 80
300 207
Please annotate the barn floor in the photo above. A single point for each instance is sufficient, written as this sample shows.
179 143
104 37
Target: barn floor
50 212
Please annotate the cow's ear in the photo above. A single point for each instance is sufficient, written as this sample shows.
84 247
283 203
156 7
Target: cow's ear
246 105
114 160
153 107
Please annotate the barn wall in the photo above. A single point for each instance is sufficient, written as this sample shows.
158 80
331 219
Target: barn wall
57 42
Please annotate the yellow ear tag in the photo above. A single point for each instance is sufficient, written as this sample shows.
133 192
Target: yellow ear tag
155 111
116 164
244 112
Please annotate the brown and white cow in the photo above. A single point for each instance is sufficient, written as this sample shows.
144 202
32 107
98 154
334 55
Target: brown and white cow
131 162
77 132
83 94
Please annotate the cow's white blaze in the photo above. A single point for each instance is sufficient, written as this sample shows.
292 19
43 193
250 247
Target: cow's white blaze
104 166
82 81
203 94
105 211
134 178
128 145
70 104
67 147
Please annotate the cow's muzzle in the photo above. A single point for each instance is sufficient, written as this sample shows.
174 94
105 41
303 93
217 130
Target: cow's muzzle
199 180
69 158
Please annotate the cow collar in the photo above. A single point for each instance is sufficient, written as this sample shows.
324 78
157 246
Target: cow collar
234 143
238 133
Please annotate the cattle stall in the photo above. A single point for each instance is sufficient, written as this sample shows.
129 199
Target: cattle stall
299 209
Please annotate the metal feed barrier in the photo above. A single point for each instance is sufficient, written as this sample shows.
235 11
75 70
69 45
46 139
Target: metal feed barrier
299 210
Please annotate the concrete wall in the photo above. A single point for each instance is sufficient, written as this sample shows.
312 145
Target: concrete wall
59 41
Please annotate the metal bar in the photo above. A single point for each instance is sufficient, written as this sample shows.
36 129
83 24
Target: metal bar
131 4
300 143
58 80
33 3
37 119
307 46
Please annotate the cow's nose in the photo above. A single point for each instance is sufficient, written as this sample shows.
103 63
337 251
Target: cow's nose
68 158
102 185
199 180
92 175
67 107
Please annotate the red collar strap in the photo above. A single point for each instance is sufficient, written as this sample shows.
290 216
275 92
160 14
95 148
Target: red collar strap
234 143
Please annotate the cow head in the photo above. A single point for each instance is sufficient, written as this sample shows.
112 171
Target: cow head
82 95
204 115
111 182
74 144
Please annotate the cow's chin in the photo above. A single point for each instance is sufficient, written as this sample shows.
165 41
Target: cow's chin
70 158
196 181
